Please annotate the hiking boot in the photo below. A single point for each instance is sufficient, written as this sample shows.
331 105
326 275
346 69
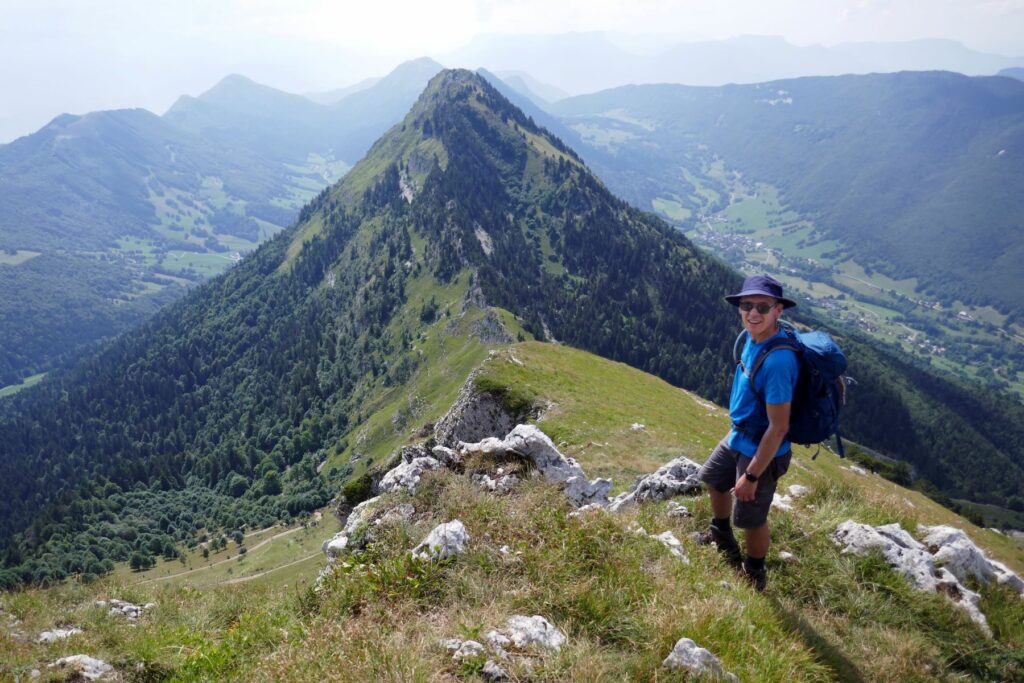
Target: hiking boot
727 545
758 577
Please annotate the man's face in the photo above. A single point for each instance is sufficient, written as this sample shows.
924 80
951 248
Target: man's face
760 325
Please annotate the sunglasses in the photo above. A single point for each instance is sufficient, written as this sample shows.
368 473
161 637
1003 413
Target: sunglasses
762 307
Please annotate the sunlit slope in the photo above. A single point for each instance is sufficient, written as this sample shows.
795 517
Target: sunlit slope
621 599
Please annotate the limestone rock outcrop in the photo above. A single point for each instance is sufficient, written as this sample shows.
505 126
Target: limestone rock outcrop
674 478
910 559
688 656
444 541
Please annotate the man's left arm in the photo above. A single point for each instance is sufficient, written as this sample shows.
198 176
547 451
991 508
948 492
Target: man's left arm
778 427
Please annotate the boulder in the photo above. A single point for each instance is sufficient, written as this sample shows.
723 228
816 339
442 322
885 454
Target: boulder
675 509
402 512
688 656
782 502
333 546
491 446
534 632
910 559
406 475
58 634
444 541
587 509
530 442
84 666
499 642
121 608
493 672
444 455
953 549
475 415
674 478
675 547
501 486
468 648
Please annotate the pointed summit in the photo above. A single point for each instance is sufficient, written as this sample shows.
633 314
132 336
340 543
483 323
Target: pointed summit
490 191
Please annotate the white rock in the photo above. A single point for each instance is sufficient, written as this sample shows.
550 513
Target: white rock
528 441
489 446
451 644
497 640
402 512
689 656
58 634
637 427
796 490
493 672
785 556
407 474
469 648
954 550
122 608
674 478
35 673
333 546
85 666
676 509
444 541
911 560
501 486
444 455
587 509
534 631
857 470
669 540
782 502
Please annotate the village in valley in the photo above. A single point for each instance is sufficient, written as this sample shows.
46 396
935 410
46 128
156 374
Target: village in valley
754 231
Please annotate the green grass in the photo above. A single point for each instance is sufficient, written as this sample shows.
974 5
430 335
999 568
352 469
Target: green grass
621 598
276 555
18 257
671 208
206 265
15 388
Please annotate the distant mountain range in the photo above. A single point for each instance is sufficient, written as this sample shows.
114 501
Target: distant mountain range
287 127
915 174
465 227
567 61
104 217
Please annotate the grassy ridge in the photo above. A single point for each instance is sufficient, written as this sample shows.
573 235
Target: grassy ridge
621 599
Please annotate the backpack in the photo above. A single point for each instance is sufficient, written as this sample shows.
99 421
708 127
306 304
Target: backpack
820 390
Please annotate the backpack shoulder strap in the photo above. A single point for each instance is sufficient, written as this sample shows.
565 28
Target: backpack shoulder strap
773 345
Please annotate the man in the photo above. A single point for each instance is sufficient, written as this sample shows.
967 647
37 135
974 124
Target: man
751 458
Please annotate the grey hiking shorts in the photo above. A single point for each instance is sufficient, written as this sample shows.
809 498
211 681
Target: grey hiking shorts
725 465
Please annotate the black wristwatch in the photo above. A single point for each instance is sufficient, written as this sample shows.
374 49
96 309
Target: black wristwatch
750 477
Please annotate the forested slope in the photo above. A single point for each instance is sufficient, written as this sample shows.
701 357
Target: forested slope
248 401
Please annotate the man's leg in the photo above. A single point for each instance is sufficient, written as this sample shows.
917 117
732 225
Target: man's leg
719 473
757 541
752 517
721 503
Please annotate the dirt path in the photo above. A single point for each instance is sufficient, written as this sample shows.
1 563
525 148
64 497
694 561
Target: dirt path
243 579
220 562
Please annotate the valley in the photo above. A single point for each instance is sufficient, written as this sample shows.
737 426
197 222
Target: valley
757 232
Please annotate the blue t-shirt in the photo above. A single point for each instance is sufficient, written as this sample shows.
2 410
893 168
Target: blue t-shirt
775 381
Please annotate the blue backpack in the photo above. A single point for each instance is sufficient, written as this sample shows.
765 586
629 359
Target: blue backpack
820 390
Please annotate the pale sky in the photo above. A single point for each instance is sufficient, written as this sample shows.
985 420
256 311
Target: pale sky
77 56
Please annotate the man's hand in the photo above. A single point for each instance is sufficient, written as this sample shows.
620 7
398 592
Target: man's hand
745 489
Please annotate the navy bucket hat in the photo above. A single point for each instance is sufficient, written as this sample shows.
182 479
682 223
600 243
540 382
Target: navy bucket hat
761 284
